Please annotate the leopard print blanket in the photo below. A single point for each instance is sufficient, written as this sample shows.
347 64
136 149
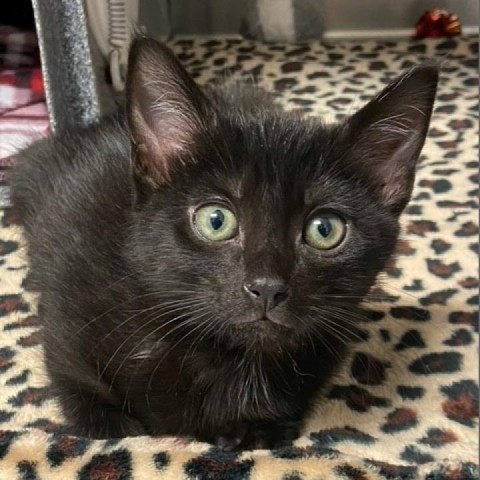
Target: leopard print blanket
405 406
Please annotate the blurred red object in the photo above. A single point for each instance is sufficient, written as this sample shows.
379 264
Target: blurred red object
437 23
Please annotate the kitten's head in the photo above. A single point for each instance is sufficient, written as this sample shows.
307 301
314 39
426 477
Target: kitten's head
257 225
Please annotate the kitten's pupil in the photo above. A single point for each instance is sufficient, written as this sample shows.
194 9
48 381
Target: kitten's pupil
216 219
324 227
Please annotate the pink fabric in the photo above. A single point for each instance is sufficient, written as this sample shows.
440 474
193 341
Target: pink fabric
19 128
23 113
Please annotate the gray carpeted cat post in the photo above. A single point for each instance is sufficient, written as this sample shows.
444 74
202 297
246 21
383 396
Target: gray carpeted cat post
68 63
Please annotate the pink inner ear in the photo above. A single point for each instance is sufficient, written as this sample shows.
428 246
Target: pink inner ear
159 140
153 163
397 190
396 172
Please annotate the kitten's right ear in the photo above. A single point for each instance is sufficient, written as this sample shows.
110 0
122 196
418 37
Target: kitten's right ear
387 134
166 111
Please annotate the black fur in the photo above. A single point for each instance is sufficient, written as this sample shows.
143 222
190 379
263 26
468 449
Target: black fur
147 325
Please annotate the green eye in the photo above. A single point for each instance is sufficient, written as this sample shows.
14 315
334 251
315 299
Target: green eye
325 231
216 223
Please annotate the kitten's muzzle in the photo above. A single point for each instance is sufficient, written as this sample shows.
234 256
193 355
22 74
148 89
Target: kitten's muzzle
267 292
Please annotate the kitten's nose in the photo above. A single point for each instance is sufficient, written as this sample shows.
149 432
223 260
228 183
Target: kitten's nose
268 292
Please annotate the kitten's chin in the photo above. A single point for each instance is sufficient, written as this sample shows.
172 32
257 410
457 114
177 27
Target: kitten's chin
264 334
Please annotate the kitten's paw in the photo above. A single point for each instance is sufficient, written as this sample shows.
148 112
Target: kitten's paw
100 421
232 439
257 436
270 436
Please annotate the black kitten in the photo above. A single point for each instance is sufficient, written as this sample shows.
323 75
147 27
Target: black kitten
199 262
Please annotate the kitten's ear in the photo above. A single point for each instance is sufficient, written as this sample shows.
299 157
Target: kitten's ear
166 110
389 133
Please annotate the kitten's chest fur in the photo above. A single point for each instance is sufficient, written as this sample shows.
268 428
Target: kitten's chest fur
211 393
250 388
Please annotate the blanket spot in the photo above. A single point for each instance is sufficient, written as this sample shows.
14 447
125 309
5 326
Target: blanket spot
414 455
440 246
30 321
294 475
331 436
9 218
18 379
464 471
415 286
367 369
442 270
410 313
438 298
283 84
474 248
414 210
7 247
5 416
161 460
460 123
27 470
116 465
316 75
459 338
474 300
291 67
433 363
385 335
468 229
394 472
410 393
357 398
410 339
436 437
218 464
464 318
462 403
438 186
399 420
6 359
404 247
6 439
12 303
63 448
32 340
309 451
378 294
373 315
30 396
469 282
421 227
351 473
46 425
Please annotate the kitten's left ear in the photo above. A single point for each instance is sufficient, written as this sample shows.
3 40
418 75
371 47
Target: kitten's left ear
387 135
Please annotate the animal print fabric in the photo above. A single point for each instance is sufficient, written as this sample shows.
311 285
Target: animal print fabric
405 405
